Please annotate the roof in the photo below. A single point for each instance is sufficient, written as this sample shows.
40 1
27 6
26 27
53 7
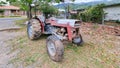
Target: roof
81 9
73 12
9 7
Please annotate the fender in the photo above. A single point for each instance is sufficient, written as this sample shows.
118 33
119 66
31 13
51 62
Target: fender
41 24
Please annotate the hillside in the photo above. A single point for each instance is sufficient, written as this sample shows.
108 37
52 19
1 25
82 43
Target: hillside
85 5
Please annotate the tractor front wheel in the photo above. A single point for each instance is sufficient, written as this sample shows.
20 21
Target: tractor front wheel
78 40
55 48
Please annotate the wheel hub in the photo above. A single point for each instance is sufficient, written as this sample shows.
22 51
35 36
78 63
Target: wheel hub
51 48
76 40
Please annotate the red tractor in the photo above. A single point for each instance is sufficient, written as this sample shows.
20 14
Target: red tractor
59 30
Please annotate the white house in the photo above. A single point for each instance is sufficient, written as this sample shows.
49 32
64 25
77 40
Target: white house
112 12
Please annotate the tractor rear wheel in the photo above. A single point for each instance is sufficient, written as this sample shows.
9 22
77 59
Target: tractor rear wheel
34 29
55 48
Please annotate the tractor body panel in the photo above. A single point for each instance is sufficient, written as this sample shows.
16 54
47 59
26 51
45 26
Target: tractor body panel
69 24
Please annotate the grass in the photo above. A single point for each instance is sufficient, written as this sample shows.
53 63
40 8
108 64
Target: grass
112 23
21 23
8 16
93 54
95 26
89 55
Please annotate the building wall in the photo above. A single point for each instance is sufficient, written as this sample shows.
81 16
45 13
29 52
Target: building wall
14 13
7 13
112 13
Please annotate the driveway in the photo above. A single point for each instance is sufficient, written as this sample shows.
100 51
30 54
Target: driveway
5 47
6 23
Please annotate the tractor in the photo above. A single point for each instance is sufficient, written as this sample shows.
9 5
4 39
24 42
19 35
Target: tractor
59 30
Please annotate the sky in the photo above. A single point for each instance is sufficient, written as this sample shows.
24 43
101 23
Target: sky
79 1
76 1
3 0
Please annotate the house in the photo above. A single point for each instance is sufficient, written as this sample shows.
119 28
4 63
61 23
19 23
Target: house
11 11
112 12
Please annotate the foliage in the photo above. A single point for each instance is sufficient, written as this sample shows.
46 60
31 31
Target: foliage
2 3
48 9
75 16
117 21
26 5
93 14
1 11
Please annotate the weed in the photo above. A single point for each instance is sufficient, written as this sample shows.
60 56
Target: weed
31 59
21 23
14 60
95 26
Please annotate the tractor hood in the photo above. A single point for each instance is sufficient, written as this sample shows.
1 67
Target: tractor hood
71 22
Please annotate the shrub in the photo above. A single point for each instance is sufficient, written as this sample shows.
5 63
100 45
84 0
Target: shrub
117 21
74 16
93 14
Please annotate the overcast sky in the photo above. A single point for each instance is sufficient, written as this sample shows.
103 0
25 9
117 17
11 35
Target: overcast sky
79 1
85 0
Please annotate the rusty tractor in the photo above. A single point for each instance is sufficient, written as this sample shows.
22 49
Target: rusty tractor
59 30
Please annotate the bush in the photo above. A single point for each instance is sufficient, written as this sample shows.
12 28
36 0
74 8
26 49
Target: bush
1 16
1 11
117 21
93 14
15 16
75 16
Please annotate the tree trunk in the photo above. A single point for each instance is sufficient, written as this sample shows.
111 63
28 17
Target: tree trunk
29 12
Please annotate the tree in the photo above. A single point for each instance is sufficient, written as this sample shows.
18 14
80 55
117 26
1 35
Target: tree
48 9
2 3
26 4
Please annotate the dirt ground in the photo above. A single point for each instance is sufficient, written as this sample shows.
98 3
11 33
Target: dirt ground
5 36
5 48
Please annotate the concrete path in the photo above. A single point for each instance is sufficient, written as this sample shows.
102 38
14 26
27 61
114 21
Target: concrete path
7 23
